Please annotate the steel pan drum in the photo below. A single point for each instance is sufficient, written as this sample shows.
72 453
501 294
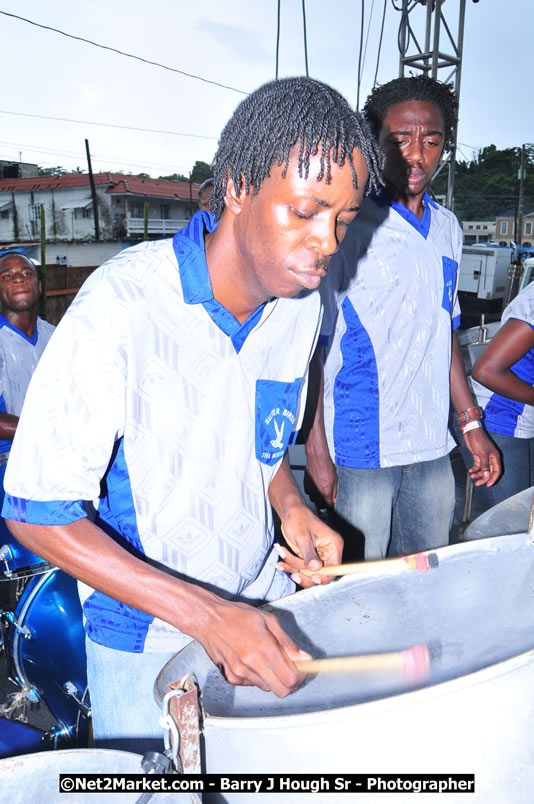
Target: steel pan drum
475 714
35 777
509 516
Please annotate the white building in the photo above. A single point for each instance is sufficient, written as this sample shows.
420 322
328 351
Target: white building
68 207
478 232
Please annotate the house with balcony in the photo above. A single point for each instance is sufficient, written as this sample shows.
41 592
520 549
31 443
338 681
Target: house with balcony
69 213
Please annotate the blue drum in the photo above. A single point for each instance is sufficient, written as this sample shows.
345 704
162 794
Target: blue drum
19 738
47 643
15 560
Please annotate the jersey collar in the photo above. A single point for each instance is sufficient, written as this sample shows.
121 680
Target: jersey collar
190 252
5 323
383 199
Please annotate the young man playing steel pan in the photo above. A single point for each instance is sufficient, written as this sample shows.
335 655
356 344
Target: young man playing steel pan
393 362
170 392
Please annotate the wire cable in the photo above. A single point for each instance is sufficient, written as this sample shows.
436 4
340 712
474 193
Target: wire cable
380 42
71 155
109 125
277 40
367 35
123 53
305 36
360 57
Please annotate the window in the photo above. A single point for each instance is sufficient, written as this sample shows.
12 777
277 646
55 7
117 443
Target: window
470 226
35 212
504 227
528 228
165 212
484 227
478 226
4 213
86 212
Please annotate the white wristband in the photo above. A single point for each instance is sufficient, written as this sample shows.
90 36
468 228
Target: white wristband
471 426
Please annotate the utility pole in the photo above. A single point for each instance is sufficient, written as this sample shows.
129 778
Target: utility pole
440 55
520 205
93 191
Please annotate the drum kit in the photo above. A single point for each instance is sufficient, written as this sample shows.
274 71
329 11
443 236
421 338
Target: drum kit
43 641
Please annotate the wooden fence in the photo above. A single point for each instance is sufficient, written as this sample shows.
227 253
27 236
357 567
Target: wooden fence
62 284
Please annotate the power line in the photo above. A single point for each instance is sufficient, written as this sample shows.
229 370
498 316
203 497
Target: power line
71 155
368 32
380 42
277 40
109 125
305 36
360 56
122 52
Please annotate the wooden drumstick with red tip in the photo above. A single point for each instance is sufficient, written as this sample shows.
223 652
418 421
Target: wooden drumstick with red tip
390 566
412 664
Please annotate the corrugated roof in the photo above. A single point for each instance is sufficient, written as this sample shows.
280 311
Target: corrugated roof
118 183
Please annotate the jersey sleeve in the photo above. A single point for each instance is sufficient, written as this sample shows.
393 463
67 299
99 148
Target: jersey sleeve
73 412
521 307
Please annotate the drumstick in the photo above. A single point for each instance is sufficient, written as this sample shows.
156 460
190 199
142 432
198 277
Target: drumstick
389 566
412 664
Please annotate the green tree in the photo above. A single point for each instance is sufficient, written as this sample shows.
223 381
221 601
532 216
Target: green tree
488 185
175 177
53 171
201 171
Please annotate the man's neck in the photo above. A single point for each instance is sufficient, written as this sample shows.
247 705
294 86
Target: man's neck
24 321
227 283
412 202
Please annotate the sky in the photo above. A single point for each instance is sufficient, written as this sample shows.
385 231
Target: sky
142 118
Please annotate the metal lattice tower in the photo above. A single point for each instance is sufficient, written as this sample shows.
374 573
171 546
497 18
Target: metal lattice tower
440 55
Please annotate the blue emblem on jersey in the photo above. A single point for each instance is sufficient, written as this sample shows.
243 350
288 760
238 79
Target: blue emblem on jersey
449 282
276 412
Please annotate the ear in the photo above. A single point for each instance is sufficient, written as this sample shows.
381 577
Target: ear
233 200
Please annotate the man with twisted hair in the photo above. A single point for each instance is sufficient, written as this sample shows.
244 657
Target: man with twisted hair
170 392
393 363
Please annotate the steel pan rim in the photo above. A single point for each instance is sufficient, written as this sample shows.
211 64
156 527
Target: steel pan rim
395 701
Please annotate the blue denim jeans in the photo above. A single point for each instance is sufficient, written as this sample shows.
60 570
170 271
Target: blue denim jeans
517 456
125 715
398 510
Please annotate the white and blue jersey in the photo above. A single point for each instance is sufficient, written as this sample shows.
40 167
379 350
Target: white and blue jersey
153 398
503 415
391 303
19 356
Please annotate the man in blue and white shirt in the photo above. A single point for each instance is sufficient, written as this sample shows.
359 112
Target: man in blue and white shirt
23 337
170 391
392 362
503 383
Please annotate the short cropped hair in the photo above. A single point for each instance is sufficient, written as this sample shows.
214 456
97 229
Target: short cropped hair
8 254
280 115
415 88
206 184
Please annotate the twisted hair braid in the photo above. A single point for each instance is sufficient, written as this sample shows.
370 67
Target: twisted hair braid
280 115
416 88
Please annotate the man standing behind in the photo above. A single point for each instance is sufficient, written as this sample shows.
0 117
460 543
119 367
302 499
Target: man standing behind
175 380
23 337
393 362
204 194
